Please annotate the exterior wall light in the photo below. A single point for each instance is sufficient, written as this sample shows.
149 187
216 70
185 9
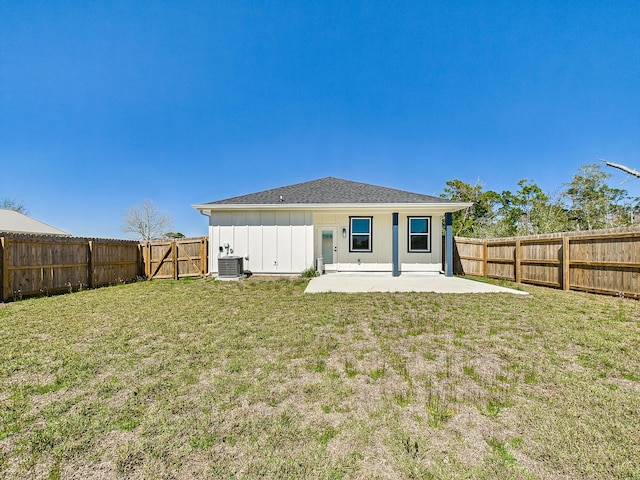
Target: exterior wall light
344 233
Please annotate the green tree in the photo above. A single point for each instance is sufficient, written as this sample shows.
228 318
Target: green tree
477 219
530 211
593 204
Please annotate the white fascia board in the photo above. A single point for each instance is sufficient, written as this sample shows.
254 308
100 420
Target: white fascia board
337 207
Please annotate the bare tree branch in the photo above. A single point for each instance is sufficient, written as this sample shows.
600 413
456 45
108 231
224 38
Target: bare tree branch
147 221
9 204
630 171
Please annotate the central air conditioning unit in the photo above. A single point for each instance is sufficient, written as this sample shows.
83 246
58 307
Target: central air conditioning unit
230 267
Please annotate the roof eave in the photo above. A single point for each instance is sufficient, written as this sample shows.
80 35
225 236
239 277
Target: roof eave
442 207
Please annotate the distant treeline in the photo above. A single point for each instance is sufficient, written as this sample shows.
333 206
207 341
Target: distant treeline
587 202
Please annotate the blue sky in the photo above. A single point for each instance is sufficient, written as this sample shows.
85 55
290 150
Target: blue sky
105 104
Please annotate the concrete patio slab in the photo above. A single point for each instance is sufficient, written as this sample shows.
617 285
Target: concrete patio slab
359 282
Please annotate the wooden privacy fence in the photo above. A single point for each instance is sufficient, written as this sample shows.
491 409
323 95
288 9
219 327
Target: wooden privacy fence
36 265
605 261
175 259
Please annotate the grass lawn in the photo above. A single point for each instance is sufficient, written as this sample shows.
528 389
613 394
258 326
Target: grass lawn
208 379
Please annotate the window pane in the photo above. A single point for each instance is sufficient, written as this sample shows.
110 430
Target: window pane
419 225
360 225
360 242
419 242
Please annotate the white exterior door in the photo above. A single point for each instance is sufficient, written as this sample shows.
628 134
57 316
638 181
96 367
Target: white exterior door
328 241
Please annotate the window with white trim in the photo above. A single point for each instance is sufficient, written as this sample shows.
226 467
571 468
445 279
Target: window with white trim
419 234
360 234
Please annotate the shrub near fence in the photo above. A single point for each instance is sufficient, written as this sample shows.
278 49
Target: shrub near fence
604 261
36 265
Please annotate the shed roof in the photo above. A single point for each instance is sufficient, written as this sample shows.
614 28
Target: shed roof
329 190
16 222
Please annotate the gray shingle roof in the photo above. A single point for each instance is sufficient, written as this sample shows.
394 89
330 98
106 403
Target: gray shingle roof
329 190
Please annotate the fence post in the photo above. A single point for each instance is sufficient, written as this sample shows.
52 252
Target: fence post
139 261
90 276
485 258
7 288
203 258
1 269
174 258
517 274
146 255
566 265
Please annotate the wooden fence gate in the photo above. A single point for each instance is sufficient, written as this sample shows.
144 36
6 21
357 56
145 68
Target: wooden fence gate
175 259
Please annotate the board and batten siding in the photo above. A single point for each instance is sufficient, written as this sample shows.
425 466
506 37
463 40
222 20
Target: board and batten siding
271 242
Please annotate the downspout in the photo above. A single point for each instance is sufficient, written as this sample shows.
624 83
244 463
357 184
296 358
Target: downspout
448 241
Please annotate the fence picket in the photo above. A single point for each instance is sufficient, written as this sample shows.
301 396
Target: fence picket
606 261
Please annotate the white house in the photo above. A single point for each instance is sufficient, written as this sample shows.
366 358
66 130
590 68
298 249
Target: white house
352 226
